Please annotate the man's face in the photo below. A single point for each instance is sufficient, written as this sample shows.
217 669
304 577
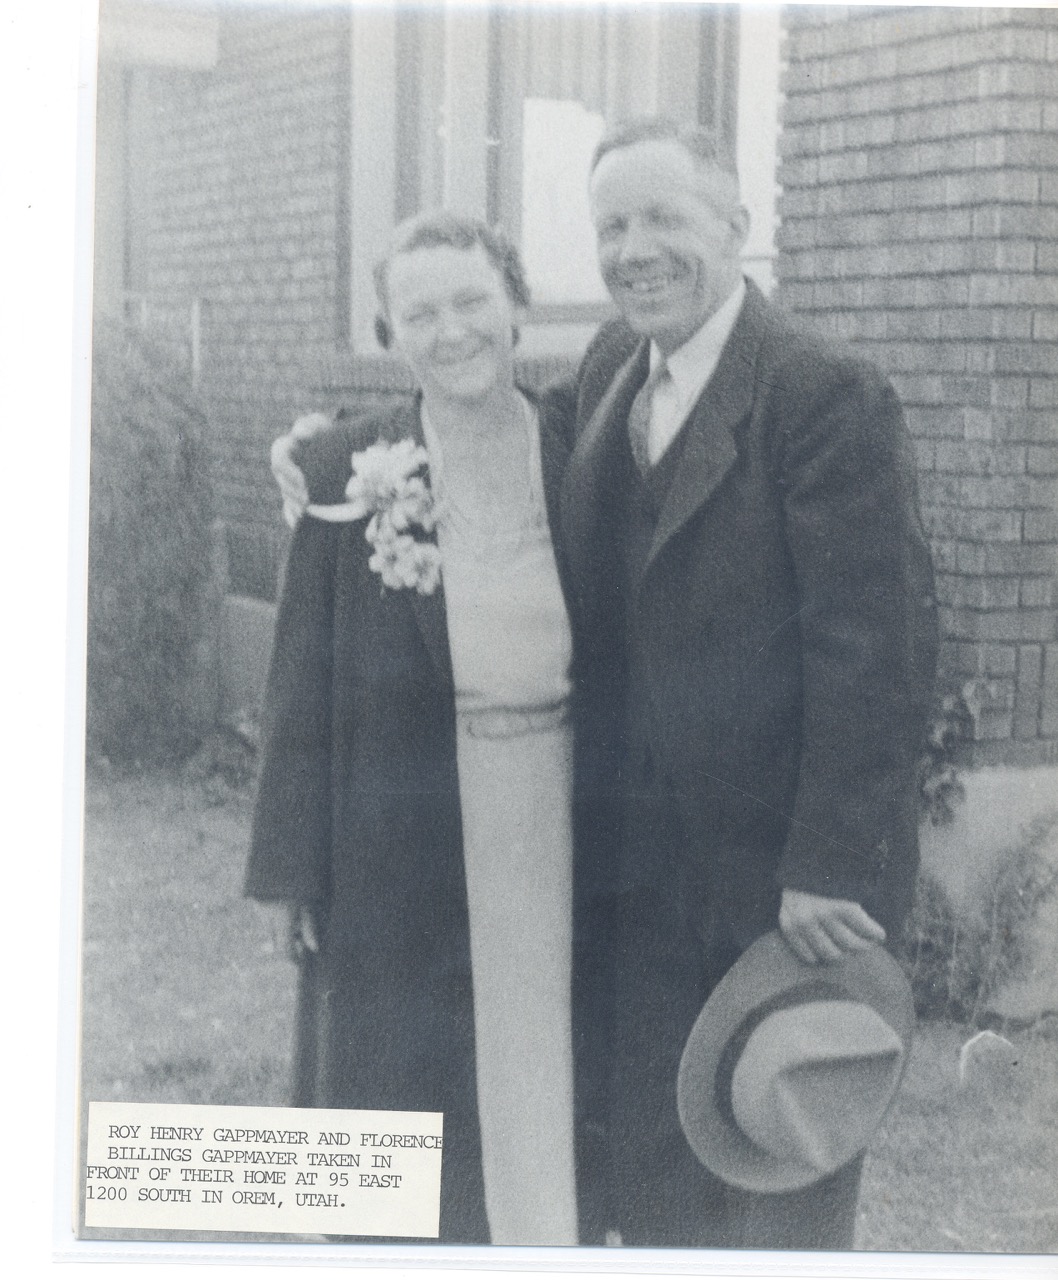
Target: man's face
669 236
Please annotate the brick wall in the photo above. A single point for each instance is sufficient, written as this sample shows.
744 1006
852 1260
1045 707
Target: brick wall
242 202
919 215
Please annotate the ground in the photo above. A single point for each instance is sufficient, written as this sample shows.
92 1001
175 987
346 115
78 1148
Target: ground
187 997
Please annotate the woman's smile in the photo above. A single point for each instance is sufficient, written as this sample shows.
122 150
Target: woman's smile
456 359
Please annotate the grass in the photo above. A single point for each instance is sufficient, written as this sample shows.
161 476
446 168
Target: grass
185 994
187 998
968 1164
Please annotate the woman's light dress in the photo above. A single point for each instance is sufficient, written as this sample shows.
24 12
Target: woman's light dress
510 644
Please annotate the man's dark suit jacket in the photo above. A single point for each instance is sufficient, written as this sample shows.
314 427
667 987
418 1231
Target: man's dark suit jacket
764 660
784 620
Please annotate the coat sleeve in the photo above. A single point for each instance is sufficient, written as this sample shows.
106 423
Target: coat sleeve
868 627
290 847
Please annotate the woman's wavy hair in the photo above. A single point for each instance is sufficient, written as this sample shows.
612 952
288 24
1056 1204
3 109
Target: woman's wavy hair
441 228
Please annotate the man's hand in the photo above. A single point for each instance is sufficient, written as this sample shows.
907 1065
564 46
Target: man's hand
288 475
819 929
302 933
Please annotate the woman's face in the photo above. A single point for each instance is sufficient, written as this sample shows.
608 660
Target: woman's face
452 321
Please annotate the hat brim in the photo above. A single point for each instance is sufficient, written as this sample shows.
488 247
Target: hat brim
767 970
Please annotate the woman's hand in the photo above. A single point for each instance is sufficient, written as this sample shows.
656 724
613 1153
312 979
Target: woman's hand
286 472
303 937
819 929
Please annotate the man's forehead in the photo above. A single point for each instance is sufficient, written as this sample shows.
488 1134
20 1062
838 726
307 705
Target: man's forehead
657 172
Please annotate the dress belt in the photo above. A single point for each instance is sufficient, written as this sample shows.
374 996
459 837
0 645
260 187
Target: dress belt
511 722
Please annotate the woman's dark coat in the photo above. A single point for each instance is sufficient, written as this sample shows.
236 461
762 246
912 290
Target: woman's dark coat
358 814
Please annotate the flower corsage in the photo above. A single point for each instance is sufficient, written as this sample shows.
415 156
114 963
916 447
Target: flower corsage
389 484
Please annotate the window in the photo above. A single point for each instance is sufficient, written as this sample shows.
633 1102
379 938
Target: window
495 111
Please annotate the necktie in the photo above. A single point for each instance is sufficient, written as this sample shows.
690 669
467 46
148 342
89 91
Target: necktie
639 417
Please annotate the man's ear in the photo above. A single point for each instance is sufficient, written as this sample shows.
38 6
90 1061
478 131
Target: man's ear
740 225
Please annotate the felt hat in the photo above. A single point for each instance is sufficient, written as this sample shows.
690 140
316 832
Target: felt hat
790 1067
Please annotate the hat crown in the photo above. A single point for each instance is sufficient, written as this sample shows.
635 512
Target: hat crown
772 1103
813 1081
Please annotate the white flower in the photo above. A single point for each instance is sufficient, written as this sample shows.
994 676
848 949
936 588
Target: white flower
400 561
388 485
385 473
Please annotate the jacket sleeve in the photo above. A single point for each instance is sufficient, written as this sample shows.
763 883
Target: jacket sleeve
868 627
290 848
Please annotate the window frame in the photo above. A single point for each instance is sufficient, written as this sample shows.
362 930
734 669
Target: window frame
435 119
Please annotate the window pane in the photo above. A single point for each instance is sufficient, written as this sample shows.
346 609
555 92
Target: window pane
558 245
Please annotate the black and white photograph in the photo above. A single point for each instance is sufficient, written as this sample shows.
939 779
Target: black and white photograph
572 618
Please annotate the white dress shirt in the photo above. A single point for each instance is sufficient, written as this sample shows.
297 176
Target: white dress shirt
690 368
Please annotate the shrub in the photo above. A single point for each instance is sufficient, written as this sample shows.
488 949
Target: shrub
148 551
940 787
958 963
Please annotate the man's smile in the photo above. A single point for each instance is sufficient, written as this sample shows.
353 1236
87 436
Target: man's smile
643 284
453 360
651 286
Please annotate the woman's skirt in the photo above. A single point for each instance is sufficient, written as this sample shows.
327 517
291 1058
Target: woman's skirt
517 833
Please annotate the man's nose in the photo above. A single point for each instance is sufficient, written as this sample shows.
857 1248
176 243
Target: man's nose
451 325
637 243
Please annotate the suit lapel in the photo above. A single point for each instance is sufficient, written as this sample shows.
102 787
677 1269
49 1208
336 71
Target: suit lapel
591 479
710 446
556 415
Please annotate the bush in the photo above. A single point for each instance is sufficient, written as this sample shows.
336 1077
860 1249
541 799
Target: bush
940 788
148 551
957 964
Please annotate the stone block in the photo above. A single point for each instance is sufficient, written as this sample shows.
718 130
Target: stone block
990 526
1036 222
1029 426
1043 393
1009 393
1030 625
997 659
1045 326
1022 493
971 558
1028 358
1041 526
1042 460
1021 558
935 423
1039 593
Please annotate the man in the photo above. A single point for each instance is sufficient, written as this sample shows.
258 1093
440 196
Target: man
753 601
756 592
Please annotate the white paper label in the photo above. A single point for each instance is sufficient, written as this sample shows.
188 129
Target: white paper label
275 1169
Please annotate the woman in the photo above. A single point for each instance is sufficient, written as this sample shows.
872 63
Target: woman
414 807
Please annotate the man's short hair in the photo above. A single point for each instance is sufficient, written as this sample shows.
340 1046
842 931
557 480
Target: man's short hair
700 143
440 228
